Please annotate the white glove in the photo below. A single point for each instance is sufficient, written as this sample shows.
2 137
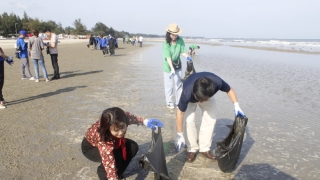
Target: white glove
172 73
10 58
180 142
237 110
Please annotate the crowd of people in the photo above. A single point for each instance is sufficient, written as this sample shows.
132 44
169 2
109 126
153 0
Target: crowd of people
134 41
32 48
105 141
105 44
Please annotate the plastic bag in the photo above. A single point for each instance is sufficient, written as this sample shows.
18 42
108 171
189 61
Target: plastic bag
228 150
154 160
190 70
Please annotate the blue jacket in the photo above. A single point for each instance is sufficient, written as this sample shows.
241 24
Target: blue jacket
24 48
1 58
103 42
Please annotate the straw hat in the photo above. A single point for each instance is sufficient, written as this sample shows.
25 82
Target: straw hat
174 29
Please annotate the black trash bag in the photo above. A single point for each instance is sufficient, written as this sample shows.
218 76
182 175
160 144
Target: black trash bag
228 150
190 70
154 160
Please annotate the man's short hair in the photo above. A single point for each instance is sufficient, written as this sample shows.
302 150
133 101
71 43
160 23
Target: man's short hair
198 47
48 30
203 88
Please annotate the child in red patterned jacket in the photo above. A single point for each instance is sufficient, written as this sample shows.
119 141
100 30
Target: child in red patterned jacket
104 142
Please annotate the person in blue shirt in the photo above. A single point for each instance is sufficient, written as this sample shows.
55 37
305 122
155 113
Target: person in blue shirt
23 54
103 45
9 60
198 90
96 44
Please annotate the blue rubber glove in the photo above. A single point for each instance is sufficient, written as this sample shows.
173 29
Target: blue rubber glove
172 73
180 141
10 60
189 58
152 123
237 110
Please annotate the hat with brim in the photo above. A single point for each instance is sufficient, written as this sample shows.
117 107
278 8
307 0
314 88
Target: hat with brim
174 29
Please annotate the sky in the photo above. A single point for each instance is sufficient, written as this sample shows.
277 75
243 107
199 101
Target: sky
278 19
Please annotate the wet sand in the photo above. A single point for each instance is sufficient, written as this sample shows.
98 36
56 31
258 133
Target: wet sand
44 123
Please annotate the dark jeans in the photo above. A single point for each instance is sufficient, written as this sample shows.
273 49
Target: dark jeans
92 153
140 43
1 79
111 51
104 50
54 60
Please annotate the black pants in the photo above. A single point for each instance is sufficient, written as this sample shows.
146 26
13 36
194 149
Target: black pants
54 60
140 43
1 79
104 50
92 153
111 51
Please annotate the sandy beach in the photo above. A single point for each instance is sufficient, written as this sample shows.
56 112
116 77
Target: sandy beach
44 123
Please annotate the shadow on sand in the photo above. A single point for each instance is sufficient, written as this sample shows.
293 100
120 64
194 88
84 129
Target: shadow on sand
48 94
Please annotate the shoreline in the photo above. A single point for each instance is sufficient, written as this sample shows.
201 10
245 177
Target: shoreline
274 49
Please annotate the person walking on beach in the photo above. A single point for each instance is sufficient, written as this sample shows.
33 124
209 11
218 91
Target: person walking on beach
91 41
105 142
193 49
53 48
9 60
36 46
115 42
23 54
103 45
140 40
172 49
111 44
198 89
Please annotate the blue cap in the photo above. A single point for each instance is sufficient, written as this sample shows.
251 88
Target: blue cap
23 32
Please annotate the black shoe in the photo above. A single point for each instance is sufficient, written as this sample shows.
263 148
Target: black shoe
53 78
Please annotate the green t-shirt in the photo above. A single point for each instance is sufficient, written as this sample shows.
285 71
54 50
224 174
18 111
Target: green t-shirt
172 51
193 46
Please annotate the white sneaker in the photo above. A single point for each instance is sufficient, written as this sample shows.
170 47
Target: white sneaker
170 106
2 106
37 80
24 78
32 78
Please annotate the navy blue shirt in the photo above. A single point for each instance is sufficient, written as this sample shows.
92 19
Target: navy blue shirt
187 90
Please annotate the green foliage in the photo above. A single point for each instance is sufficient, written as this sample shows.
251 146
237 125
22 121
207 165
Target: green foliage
12 24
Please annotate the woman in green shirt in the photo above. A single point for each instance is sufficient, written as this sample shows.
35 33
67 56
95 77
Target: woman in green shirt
172 49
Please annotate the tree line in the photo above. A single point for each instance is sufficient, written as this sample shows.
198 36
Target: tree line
11 24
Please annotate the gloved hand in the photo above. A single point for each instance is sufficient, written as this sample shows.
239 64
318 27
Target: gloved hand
10 60
237 110
189 58
180 142
172 73
152 123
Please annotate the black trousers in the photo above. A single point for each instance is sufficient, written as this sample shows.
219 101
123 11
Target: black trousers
111 51
1 79
92 153
104 50
54 60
